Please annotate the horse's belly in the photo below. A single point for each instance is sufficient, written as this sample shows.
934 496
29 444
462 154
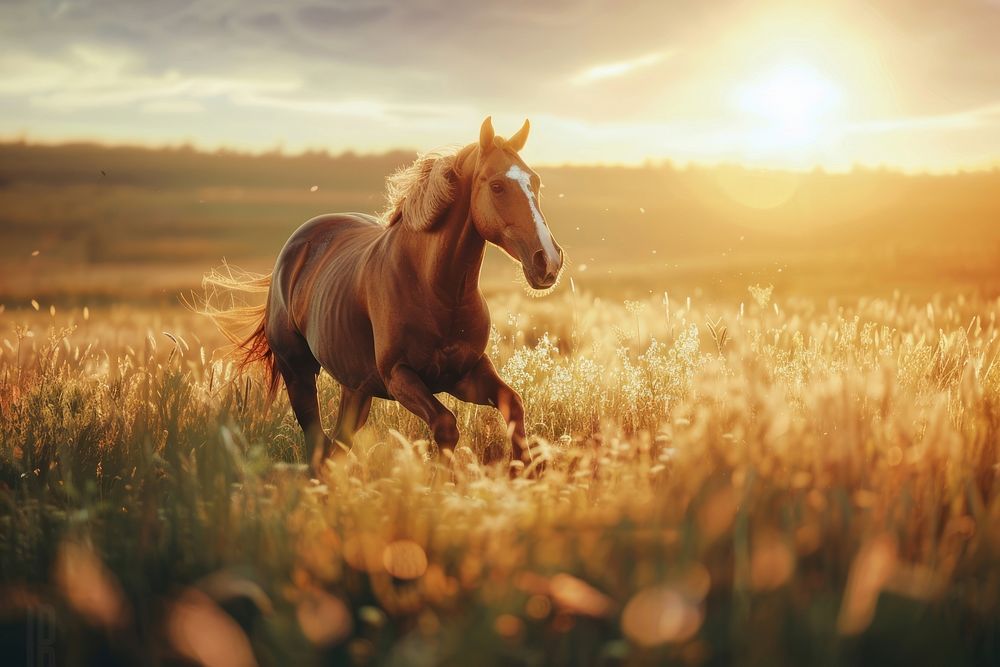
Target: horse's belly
345 348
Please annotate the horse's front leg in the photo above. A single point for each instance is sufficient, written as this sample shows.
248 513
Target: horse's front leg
483 386
411 392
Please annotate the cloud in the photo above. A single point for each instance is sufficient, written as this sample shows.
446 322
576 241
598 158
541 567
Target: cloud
976 117
255 72
92 77
359 107
617 69
96 77
173 106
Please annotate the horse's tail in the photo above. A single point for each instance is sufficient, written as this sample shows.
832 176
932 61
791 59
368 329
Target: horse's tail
235 317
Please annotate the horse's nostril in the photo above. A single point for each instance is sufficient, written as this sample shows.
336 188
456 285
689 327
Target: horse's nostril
539 263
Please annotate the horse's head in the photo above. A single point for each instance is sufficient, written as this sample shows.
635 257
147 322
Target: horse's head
506 209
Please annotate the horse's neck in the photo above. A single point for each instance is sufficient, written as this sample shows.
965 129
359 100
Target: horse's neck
449 256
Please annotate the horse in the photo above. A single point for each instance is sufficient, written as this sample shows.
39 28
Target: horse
391 307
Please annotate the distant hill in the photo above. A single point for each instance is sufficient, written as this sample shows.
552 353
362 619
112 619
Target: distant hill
119 221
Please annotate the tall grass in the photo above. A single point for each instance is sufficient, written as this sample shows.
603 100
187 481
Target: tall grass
754 481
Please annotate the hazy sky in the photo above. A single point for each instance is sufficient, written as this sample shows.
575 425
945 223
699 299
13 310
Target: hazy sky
912 83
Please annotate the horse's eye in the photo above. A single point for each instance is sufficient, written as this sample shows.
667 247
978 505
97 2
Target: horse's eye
497 188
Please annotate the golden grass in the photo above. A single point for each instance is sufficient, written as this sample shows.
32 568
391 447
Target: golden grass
755 480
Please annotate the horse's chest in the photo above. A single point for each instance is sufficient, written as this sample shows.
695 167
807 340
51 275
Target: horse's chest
442 344
446 362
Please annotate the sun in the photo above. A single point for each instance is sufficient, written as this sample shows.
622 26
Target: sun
790 93
788 104
792 83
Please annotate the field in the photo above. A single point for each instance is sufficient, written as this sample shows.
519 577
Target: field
764 407
84 225
761 480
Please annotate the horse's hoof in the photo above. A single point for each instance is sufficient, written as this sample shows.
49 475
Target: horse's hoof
494 453
536 470
528 469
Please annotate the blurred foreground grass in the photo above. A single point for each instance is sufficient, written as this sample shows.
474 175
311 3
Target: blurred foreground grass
752 481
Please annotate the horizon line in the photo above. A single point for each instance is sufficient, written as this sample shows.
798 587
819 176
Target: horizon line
23 138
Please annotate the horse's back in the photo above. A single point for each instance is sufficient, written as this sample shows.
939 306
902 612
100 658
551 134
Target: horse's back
331 228
319 240
333 223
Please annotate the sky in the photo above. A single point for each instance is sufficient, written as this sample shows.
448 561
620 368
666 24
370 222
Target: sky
912 84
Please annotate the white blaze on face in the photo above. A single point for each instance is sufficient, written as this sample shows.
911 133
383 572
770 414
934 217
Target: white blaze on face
515 173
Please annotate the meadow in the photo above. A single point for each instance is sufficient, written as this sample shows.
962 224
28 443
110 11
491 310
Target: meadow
760 480
764 410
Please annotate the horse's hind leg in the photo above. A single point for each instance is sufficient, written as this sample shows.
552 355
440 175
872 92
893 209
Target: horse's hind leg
299 369
302 395
354 407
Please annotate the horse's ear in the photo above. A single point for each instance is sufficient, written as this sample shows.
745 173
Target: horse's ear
517 141
486 135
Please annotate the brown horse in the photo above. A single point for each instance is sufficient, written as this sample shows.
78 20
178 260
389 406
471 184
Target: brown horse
392 308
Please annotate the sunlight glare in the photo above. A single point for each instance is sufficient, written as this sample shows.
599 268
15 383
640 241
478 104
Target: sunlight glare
790 101
791 93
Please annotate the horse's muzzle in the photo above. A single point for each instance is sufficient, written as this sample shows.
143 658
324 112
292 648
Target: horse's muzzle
545 269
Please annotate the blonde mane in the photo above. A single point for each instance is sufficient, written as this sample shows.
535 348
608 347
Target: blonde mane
419 193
